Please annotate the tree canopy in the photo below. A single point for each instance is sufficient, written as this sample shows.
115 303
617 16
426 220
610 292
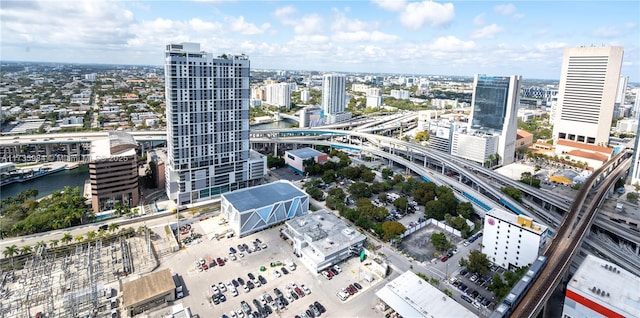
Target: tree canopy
390 229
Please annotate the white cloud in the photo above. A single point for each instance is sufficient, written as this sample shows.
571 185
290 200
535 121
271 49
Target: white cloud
417 14
243 27
342 23
309 24
204 26
487 32
479 19
451 44
606 32
505 9
391 5
364 36
313 38
284 14
550 46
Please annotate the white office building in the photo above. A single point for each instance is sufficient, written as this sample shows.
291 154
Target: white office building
278 95
321 239
601 289
494 108
587 94
512 240
207 116
333 93
474 146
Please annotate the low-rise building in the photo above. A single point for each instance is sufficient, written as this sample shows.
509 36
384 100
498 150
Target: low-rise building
321 239
412 296
512 240
295 159
601 289
253 209
524 139
149 291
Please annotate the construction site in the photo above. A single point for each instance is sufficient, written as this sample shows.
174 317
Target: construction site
78 279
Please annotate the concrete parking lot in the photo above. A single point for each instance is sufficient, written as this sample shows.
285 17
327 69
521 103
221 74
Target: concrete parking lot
198 283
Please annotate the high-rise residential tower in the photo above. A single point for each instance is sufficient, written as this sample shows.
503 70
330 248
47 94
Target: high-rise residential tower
334 93
494 108
587 94
334 99
207 124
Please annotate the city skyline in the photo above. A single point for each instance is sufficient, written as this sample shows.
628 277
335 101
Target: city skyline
435 38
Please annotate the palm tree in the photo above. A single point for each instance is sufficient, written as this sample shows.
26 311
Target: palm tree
66 238
40 243
54 243
79 238
91 235
10 251
113 227
25 250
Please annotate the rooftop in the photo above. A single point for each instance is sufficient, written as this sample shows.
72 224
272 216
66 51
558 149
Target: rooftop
262 195
523 134
578 145
119 143
522 221
620 287
147 287
324 233
305 153
411 296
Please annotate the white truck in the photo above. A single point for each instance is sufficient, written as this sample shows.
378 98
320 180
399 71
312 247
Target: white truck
290 264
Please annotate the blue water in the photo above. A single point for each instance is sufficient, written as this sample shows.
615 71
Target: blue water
49 183
285 123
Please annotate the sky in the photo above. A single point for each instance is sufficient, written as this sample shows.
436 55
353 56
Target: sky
378 36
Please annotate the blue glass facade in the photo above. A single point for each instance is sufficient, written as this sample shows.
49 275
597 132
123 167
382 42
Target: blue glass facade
491 103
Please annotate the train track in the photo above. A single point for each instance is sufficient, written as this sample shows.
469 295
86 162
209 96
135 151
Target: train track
568 239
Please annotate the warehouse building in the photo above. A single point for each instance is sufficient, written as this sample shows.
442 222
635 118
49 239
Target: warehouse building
412 296
253 209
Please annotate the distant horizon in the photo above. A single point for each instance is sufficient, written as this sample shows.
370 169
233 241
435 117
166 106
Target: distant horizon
526 38
290 70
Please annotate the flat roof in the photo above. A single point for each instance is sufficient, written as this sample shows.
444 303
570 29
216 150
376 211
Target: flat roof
513 219
620 287
147 287
324 233
305 153
411 296
569 143
262 195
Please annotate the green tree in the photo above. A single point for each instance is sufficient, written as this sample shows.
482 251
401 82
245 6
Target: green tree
391 229
113 227
91 235
459 223
367 176
10 252
424 192
514 193
66 238
440 241
478 263
26 250
386 173
435 210
329 176
465 209
401 203
79 238
632 197
360 190
54 243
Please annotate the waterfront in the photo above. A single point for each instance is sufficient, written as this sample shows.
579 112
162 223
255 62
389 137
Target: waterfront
285 123
49 183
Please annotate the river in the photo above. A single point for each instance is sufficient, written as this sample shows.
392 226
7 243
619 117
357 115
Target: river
49 183
76 177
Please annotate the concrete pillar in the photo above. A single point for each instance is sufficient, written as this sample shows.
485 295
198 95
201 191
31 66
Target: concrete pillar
68 149
48 148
